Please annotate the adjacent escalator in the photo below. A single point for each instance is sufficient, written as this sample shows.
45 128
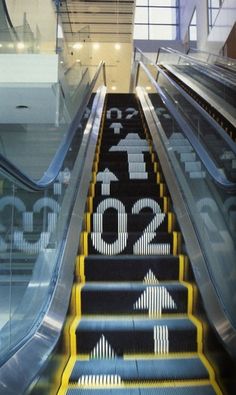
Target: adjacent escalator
133 324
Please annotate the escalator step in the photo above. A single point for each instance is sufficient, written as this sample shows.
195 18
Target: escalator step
147 268
119 189
134 298
107 222
101 338
142 243
192 389
141 369
129 201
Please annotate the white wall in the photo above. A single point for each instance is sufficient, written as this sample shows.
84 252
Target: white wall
17 68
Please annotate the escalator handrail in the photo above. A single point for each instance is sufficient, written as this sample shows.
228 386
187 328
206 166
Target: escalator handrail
215 72
210 166
15 174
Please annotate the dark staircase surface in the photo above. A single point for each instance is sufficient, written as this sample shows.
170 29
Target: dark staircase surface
133 330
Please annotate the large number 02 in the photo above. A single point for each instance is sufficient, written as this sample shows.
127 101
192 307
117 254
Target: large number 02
143 245
119 245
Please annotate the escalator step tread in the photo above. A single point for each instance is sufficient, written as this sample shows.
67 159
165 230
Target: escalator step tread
178 390
142 370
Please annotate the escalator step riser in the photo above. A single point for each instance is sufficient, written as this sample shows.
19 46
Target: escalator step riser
150 301
145 243
145 157
128 202
133 188
107 222
126 176
125 166
149 269
99 339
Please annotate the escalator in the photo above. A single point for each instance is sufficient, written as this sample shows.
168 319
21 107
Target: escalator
134 327
213 89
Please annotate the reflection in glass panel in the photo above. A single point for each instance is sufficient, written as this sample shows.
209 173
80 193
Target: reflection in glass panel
141 15
141 32
157 32
162 15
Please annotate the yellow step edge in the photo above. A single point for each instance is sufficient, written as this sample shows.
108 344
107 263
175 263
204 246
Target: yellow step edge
176 243
92 190
171 219
90 204
147 384
182 264
190 296
79 268
165 204
162 189
87 221
93 177
73 300
66 376
211 372
73 342
95 166
84 243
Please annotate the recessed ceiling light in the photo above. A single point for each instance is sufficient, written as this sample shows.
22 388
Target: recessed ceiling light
96 46
117 46
20 45
113 88
77 46
148 88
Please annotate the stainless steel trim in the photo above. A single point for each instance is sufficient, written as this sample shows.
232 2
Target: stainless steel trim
29 360
213 306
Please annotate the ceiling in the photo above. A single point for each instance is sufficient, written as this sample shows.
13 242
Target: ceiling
97 21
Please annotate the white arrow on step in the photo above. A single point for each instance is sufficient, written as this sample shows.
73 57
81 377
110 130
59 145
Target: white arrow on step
106 177
155 299
133 144
116 126
102 350
150 278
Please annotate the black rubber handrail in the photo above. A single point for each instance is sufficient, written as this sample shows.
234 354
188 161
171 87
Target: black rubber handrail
15 174
210 166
